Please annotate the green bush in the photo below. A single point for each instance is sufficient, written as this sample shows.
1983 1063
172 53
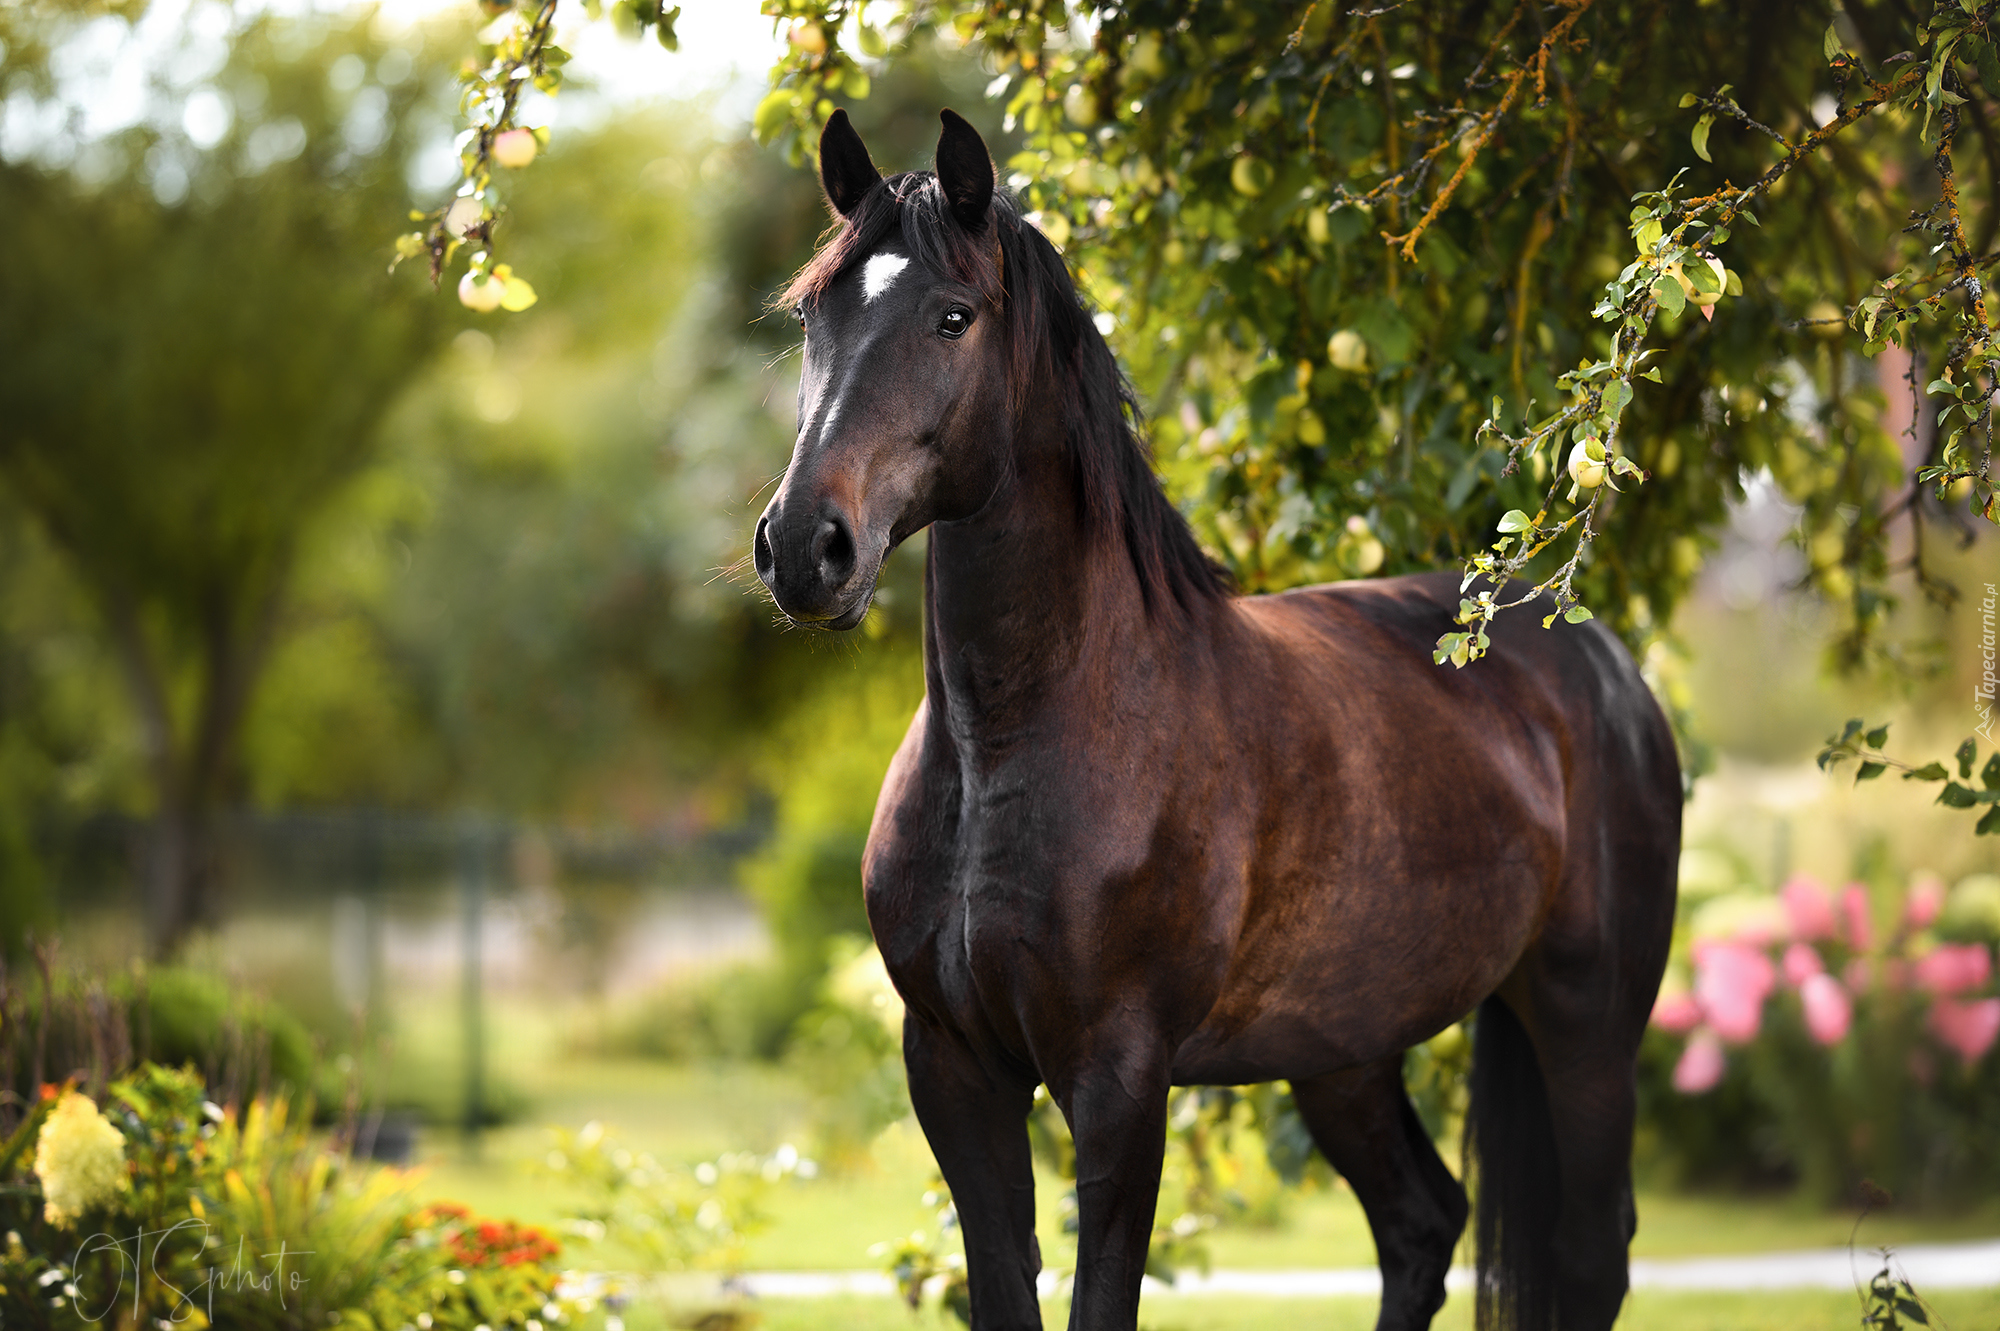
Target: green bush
743 1011
184 1017
95 1030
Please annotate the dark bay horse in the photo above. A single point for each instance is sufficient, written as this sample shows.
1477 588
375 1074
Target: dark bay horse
1145 833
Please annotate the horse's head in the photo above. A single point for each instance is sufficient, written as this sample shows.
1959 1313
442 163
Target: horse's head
904 415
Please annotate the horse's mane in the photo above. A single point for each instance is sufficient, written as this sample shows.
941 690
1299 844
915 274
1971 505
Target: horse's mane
1052 342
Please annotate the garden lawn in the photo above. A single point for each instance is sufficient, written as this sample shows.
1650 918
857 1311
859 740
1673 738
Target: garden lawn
684 1114
1958 1310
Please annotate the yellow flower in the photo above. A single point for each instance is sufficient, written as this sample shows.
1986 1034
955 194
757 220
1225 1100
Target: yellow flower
80 1158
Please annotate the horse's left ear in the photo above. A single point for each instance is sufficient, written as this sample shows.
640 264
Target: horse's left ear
965 170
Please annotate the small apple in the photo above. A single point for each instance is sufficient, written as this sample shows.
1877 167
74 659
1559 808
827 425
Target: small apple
1146 60
1586 464
1250 176
481 293
1359 551
465 213
515 148
1080 106
1346 350
1704 300
808 37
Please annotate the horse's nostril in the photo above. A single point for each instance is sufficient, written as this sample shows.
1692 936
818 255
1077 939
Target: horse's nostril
760 549
833 549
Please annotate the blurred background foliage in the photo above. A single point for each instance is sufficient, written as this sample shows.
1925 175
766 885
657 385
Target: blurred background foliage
386 678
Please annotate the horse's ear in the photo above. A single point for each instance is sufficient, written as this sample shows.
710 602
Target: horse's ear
844 166
965 171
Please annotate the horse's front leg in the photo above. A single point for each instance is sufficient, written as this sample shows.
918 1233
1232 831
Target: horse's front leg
977 1125
1116 1102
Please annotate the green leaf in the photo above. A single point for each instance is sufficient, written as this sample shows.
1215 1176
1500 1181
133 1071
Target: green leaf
1989 775
1869 771
1965 754
1955 796
1877 737
1514 520
1990 824
1850 730
1700 136
1687 99
1668 292
772 113
1830 45
1653 374
1929 772
1576 614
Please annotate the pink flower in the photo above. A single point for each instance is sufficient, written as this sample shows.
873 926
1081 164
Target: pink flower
1802 963
1809 907
1731 982
1926 900
1860 928
1954 968
1969 1028
1677 1012
1701 1064
1828 1013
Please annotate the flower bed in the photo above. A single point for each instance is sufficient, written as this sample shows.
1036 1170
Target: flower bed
1797 1037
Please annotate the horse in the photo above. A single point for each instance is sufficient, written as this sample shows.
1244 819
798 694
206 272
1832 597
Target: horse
1145 832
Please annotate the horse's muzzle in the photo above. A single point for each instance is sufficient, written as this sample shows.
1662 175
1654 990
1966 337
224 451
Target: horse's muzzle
809 563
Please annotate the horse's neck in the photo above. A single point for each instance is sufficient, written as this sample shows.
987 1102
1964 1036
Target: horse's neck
1020 600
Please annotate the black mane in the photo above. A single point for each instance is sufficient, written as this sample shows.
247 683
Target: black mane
1052 343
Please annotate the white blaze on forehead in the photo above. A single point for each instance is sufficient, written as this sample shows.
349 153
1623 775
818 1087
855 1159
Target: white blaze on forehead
879 272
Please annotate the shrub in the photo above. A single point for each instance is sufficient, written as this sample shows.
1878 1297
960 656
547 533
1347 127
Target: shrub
63 1025
738 1012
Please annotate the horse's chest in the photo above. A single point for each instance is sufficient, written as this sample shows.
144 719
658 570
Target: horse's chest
976 889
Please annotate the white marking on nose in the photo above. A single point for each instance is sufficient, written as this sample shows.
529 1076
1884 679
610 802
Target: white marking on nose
879 272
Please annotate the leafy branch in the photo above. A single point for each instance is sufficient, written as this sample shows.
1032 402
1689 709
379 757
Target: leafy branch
517 51
1677 267
1863 746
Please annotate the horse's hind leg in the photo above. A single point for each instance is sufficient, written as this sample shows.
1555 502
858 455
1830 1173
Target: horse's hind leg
977 1127
1362 1121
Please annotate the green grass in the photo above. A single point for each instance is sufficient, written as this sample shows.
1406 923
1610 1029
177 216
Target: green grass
1951 1310
685 1114
692 1113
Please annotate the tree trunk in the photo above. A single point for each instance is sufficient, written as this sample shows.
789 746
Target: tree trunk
181 861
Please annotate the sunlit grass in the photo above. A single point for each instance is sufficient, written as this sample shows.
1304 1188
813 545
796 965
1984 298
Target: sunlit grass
1954 1310
685 1114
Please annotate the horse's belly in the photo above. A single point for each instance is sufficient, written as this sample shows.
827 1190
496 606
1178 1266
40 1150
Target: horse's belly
1364 975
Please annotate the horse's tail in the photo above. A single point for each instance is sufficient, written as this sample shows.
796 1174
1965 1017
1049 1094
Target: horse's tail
1510 1153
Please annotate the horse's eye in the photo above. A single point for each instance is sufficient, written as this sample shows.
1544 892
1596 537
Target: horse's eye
954 323
799 313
